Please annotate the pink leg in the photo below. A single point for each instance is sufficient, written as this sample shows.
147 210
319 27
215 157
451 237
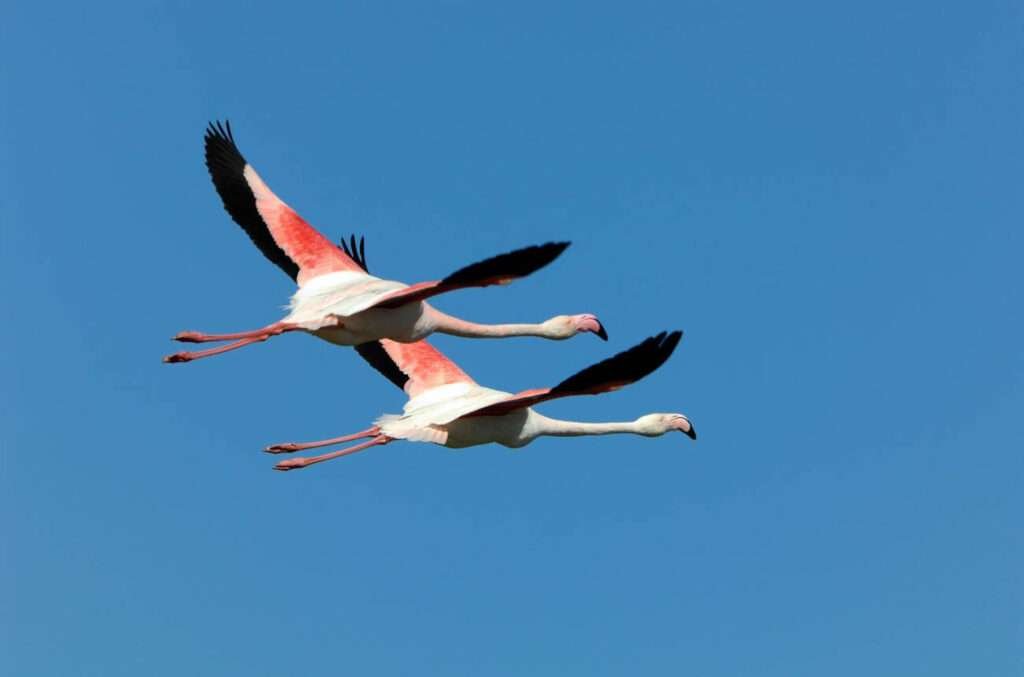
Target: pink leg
199 354
294 463
253 337
198 337
289 447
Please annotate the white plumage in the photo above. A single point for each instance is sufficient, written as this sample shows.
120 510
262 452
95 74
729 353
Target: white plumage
437 407
342 294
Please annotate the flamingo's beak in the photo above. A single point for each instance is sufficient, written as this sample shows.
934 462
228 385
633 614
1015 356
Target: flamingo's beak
691 433
590 323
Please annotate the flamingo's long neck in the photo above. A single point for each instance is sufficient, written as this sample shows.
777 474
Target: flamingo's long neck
559 428
446 324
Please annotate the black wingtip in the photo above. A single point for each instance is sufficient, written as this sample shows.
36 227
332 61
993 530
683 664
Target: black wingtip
356 251
544 254
629 366
227 170
558 247
549 252
220 131
664 342
509 266
378 358
221 151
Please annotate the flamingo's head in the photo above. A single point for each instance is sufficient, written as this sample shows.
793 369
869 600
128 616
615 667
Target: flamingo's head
567 326
654 425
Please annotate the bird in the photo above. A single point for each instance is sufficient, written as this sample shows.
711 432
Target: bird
337 299
448 408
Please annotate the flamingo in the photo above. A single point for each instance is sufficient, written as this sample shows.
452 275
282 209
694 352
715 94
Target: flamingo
337 299
446 407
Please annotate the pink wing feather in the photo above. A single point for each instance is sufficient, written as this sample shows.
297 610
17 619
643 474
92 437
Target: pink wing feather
308 248
280 233
414 367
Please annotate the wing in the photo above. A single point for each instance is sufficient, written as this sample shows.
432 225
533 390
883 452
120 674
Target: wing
282 235
627 367
357 254
500 269
413 367
378 358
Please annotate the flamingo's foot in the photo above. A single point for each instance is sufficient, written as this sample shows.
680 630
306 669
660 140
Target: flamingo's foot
292 464
178 357
189 337
286 448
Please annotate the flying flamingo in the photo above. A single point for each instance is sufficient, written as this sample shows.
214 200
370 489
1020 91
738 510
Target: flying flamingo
446 407
337 299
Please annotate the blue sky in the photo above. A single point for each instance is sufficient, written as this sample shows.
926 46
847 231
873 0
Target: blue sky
826 199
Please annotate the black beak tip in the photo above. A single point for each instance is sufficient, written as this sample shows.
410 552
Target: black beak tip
601 333
691 433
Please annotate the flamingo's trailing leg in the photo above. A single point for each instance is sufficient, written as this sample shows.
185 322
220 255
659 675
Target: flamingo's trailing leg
289 447
296 463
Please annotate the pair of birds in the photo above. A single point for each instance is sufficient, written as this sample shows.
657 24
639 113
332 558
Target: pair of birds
387 322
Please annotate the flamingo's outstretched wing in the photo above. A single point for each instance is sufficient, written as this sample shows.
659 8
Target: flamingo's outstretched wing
627 367
413 367
281 234
500 269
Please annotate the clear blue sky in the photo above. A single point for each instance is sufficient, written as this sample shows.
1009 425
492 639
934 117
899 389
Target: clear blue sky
826 199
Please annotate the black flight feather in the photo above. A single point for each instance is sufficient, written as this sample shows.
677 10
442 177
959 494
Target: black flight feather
227 167
626 367
374 353
357 254
519 263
